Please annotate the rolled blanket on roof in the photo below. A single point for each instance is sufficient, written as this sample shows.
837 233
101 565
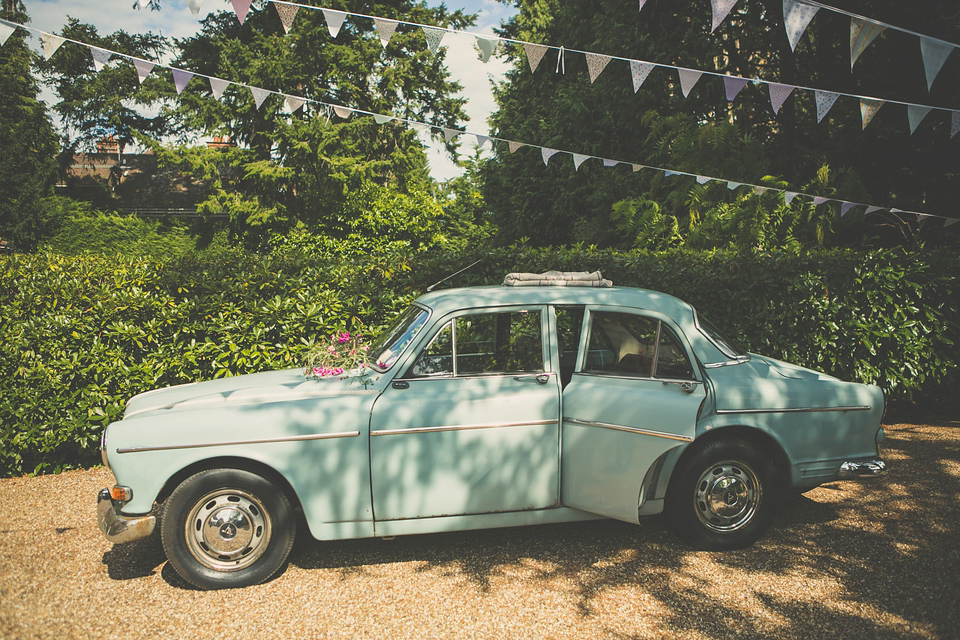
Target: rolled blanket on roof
557 279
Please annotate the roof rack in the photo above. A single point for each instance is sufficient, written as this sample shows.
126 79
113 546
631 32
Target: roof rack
557 279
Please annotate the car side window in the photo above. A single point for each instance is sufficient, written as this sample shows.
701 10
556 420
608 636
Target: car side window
634 345
482 344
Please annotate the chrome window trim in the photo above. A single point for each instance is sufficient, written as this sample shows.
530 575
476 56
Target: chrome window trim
728 363
460 427
316 436
617 427
616 375
796 410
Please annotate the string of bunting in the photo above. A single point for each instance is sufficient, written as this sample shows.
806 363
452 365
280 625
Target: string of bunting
51 43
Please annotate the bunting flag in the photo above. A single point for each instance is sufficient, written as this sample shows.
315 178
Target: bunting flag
862 33
334 21
287 13
217 86
342 112
934 55
954 124
818 200
846 206
481 140
636 167
871 210
703 179
825 101
6 31
596 63
241 7
419 126
143 67
546 154
513 146
100 58
779 94
434 37
796 19
385 29
868 109
486 46
734 86
450 134
535 53
688 78
720 10
259 95
950 222
915 116
379 119
180 79
50 44
292 103
732 186
610 163
194 6
788 197
579 159
639 71
642 2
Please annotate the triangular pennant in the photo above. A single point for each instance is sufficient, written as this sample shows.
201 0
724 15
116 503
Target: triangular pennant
596 63
733 185
688 78
667 173
434 37
419 126
287 13
610 163
535 53
217 86
640 71
379 119
6 30
872 209
486 46
513 146
954 123
143 67
546 154
868 109
846 206
292 103
642 2
241 7
779 94
862 33
720 10
180 79
819 200
259 95
796 19
450 134
334 21
481 140
194 6
703 179
950 222
923 216
636 167
579 159
343 112
50 44
788 197
915 115
733 86
100 58
385 29
825 100
934 55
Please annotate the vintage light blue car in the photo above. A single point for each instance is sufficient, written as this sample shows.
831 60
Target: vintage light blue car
487 407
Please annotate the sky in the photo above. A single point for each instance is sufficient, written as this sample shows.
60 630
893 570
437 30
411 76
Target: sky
176 19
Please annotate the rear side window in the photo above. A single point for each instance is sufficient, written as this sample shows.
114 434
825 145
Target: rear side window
634 345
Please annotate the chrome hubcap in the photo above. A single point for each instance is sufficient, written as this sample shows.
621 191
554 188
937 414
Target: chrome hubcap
227 530
727 496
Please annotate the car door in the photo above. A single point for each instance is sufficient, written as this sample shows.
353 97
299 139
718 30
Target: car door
473 425
634 396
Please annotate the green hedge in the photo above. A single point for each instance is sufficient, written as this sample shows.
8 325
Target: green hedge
82 334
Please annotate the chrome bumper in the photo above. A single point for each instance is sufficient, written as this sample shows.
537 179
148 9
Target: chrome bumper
860 469
118 528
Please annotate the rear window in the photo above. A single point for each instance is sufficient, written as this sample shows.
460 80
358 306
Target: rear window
725 344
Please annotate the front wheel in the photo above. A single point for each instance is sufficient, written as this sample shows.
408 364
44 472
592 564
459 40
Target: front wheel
724 496
225 528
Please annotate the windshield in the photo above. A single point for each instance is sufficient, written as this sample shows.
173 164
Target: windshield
386 349
728 346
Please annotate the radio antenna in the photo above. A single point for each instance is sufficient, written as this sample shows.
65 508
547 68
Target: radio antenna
434 285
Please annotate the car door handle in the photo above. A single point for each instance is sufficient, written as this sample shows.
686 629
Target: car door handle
687 385
542 378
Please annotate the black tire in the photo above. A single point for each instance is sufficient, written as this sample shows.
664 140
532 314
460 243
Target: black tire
724 496
227 528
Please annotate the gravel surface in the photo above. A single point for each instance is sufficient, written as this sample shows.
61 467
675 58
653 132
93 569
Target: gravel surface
878 559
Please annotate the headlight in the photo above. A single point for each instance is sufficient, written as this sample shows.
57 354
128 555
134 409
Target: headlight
103 449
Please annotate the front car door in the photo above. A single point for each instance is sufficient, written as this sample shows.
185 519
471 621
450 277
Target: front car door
635 395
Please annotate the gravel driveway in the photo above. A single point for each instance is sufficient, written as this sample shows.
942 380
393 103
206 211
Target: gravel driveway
879 559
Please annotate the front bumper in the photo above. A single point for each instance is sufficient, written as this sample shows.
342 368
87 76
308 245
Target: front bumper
119 528
861 469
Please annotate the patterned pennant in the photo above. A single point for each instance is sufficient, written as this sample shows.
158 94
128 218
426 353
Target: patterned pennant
688 78
954 123
434 37
846 206
6 31
180 79
259 95
934 55
450 134
868 109
143 67
825 100
287 13
513 146
343 112
796 19
50 43
703 179
818 200
481 140
596 63
610 163
385 29
862 33
379 119
217 86
486 46
788 197
193 4
720 10
779 94
535 53
292 103
334 21
546 154
640 71
241 7
100 58
733 185
915 115
579 159
871 210
734 86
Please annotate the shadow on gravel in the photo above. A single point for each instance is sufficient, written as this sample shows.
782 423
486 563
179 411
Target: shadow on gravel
134 559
